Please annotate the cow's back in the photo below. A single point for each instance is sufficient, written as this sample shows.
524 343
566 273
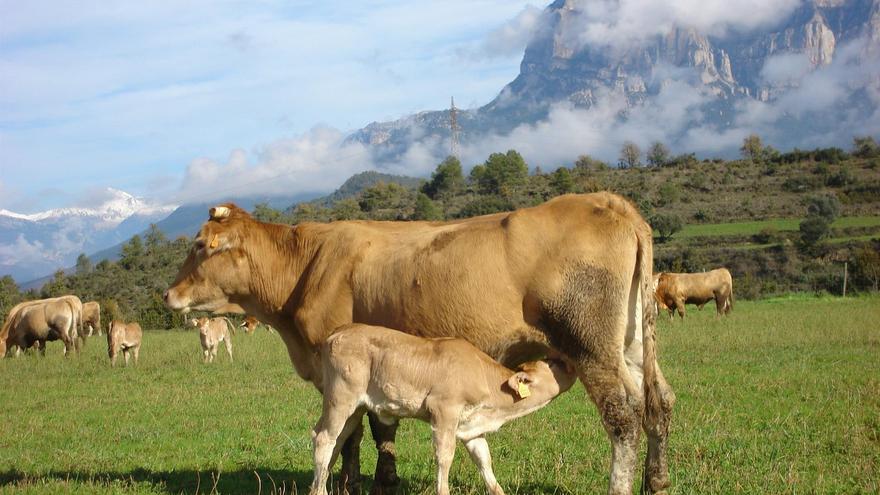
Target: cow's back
487 279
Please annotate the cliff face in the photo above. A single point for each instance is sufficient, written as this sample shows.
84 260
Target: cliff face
559 67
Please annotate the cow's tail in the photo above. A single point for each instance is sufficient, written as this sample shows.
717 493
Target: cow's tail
230 325
649 319
7 326
730 299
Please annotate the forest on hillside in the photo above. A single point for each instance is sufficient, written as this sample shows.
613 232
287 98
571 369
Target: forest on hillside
706 213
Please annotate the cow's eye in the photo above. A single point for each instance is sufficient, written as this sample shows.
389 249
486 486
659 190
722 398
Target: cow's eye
200 244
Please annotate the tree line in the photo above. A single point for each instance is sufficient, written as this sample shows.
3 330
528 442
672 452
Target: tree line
130 287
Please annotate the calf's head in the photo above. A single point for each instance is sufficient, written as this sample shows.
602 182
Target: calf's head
216 268
543 380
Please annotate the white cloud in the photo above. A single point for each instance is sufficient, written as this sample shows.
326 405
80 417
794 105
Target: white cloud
620 23
22 252
317 161
511 38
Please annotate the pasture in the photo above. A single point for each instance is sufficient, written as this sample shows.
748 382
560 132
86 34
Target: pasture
781 397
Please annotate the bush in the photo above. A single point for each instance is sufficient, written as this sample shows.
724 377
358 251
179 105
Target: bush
667 225
814 229
485 205
767 235
802 184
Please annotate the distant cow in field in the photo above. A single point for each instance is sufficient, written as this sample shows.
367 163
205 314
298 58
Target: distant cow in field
92 317
125 337
449 383
250 325
674 290
39 321
572 274
212 331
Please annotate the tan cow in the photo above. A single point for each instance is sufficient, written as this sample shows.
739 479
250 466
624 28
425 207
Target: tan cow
573 274
40 321
125 337
674 290
250 325
92 317
212 331
449 383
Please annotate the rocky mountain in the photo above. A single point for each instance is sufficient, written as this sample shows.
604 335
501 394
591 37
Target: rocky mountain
33 245
727 70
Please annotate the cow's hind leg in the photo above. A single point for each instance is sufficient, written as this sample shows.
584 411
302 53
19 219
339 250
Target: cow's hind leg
656 424
589 321
386 479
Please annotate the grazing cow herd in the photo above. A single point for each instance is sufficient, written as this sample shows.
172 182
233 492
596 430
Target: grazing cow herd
465 324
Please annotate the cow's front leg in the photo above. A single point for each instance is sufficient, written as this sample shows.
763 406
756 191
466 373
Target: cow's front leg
386 479
350 478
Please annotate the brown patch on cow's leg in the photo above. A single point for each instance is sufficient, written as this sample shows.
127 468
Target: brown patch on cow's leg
655 478
386 479
621 407
350 478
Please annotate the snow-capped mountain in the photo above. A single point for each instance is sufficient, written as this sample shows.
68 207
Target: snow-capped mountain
32 245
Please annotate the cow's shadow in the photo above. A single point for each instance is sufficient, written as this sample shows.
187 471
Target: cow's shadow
242 481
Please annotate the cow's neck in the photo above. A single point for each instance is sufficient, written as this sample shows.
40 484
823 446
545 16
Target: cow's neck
278 257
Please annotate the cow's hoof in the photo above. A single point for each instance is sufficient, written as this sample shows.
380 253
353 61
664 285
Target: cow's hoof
350 486
384 489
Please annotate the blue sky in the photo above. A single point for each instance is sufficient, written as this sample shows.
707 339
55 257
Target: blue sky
139 95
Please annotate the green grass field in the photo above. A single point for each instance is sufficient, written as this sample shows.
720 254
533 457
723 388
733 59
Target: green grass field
754 227
781 397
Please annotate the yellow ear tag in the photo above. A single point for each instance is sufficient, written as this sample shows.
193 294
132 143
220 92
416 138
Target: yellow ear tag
214 242
523 390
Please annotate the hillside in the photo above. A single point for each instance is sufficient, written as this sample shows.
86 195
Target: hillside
781 222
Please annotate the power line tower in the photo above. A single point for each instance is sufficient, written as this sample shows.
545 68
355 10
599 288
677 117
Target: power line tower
453 127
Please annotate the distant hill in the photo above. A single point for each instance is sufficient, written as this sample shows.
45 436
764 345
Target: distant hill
363 180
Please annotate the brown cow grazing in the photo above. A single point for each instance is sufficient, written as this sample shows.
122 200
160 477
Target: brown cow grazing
125 337
250 325
212 331
674 290
449 383
39 321
572 274
92 317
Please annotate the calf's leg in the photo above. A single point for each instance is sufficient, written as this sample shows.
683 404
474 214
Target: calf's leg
136 350
478 448
338 420
228 343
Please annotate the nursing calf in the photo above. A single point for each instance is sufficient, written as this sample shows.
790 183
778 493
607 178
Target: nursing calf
449 383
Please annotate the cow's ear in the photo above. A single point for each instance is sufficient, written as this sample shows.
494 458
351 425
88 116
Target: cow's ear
216 242
519 384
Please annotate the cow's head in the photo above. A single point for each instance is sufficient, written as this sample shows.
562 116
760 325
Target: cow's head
216 271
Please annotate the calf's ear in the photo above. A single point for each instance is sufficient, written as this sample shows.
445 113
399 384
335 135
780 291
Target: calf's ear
519 384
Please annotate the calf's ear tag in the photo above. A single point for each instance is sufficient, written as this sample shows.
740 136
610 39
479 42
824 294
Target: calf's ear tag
523 390
215 242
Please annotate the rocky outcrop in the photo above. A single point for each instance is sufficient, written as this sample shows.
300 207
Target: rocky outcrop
558 67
